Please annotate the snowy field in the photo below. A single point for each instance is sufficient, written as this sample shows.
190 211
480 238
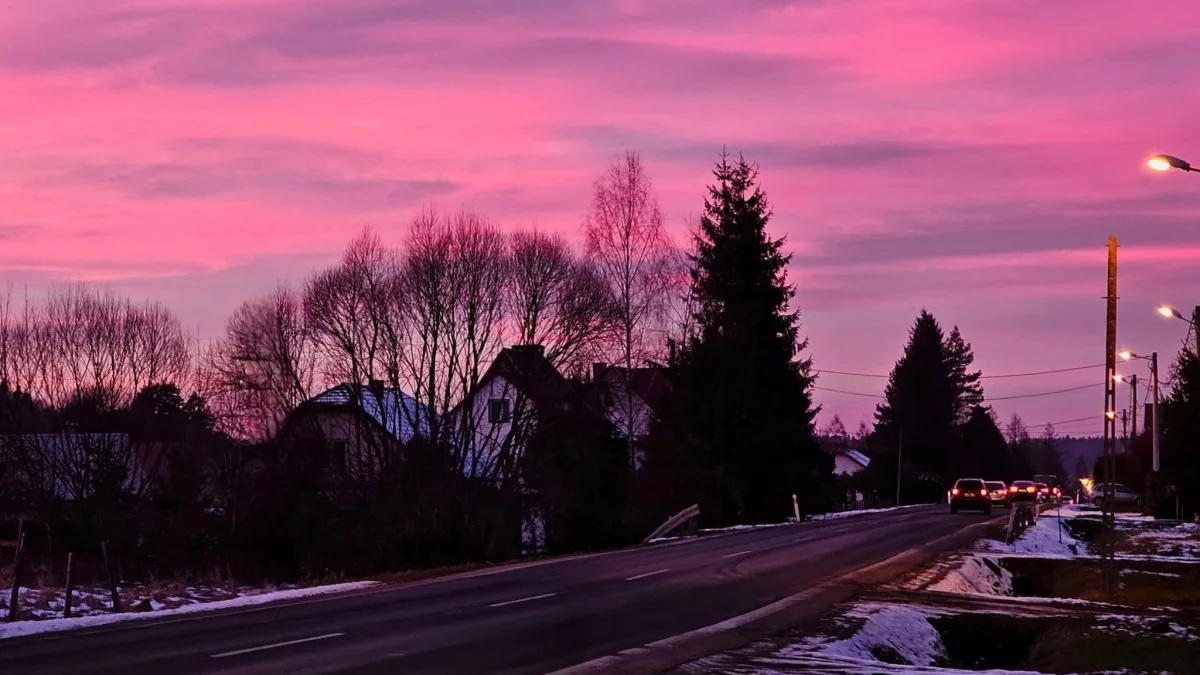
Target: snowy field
41 609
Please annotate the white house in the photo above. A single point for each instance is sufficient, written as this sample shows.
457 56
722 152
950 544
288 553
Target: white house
848 461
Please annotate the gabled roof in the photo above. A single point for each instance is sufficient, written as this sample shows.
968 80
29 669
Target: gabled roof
858 457
528 370
649 383
67 459
399 414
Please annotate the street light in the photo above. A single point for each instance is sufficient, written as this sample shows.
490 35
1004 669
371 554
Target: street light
1167 162
1153 359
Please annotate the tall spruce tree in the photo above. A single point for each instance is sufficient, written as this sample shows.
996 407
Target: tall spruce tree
983 448
969 392
742 403
920 410
1180 470
932 396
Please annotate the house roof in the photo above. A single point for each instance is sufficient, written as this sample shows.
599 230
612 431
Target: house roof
398 413
858 457
66 460
650 384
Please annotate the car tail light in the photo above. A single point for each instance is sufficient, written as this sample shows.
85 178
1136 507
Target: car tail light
1057 491
1030 490
1013 489
983 492
954 491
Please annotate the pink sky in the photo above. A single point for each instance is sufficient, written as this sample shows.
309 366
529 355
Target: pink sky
968 156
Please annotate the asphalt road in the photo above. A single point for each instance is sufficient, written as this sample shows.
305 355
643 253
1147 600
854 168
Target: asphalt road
531 619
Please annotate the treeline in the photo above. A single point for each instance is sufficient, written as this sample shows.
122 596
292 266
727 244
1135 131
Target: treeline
185 460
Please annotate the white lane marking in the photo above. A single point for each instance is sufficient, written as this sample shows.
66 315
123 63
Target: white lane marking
534 597
648 574
737 554
277 644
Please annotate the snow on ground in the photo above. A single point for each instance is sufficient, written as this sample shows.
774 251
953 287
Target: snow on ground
1046 537
977 574
891 632
846 514
92 606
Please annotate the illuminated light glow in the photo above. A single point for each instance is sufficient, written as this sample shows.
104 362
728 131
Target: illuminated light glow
1166 311
1125 355
1159 163
1111 415
1118 378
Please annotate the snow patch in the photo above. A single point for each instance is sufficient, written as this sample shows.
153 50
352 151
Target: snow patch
847 514
1046 537
892 632
20 628
980 575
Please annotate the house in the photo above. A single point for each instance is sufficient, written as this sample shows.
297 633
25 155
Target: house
492 426
72 467
365 426
846 459
849 461
631 394
518 390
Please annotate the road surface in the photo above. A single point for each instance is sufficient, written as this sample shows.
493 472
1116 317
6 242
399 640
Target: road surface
532 619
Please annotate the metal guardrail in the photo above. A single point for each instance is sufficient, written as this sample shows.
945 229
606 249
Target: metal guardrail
675 521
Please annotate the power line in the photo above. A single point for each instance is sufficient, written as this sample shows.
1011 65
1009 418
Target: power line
988 399
1044 393
982 377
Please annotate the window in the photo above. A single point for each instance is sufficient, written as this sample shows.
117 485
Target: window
969 484
498 410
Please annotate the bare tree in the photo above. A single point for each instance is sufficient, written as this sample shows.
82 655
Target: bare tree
628 244
480 278
345 307
264 366
557 301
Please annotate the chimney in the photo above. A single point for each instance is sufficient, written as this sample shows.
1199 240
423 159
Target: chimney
529 349
376 387
598 369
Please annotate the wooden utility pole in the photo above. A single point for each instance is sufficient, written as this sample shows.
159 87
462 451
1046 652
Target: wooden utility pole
1133 408
1110 407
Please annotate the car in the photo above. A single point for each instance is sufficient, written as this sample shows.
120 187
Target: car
1044 494
997 492
1122 496
1022 491
970 493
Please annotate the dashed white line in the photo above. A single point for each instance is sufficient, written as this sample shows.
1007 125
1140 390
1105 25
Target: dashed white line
731 555
514 602
276 645
648 574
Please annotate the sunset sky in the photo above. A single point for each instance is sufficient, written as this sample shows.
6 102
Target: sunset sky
968 156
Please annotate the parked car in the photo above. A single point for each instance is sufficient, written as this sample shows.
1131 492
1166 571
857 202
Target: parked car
1122 496
970 493
997 492
1022 491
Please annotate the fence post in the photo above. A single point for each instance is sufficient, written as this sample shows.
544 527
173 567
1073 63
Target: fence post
112 578
70 586
796 506
14 596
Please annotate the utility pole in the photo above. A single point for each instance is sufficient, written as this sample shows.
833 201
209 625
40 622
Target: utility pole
899 464
1110 406
1133 410
1124 432
1154 430
1196 331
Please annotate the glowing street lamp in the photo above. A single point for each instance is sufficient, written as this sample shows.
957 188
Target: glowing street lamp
1167 162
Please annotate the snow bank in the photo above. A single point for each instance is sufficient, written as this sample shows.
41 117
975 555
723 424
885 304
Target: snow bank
847 514
1046 537
19 628
899 632
977 574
